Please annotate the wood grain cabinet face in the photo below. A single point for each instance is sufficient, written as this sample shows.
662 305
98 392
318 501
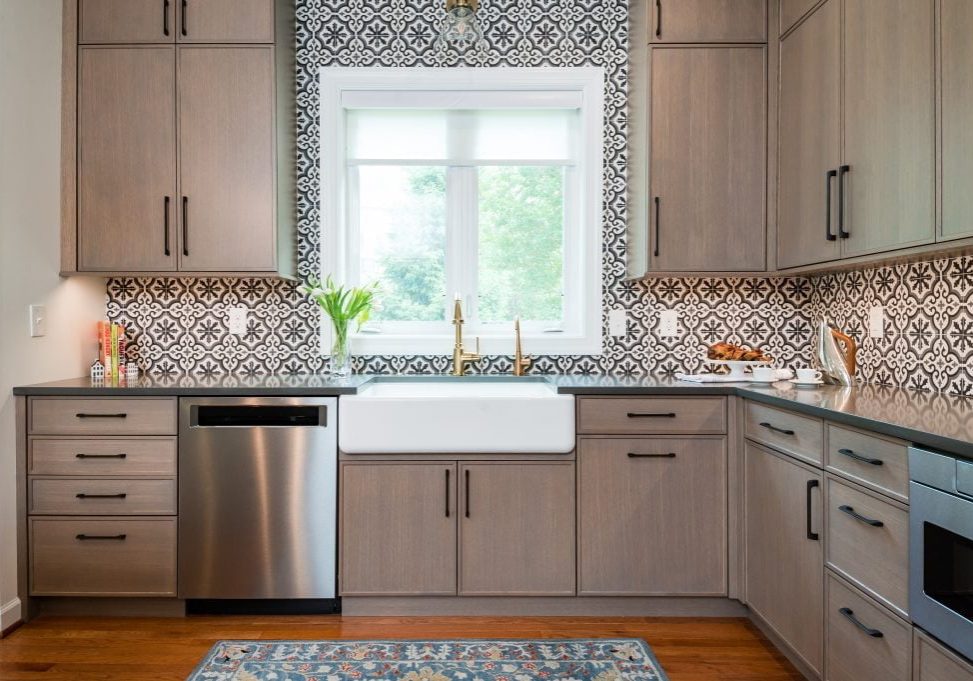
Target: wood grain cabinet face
398 529
127 217
809 139
785 557
792 10
227 160
127 21
933 662
517 529
225 21
652 516
957 102
708 158
708 21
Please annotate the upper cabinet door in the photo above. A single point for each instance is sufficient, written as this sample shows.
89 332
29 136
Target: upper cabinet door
708 161
957 94
226 21
890 125
792 10
126 159
708 21
127 21
227 159
809 140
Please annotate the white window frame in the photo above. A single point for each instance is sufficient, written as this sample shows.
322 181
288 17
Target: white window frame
583 336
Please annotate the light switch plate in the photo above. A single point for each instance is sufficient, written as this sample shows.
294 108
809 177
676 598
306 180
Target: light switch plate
617 323
668 323
876 322
38 320
238 320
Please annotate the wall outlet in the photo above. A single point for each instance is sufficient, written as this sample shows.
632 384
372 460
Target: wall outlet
668 323
38 320
617 323
238 320
876 322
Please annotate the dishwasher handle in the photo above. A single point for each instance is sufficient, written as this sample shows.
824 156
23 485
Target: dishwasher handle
259 416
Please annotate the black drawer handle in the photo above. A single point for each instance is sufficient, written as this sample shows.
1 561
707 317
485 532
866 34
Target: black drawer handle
660 415
657 200
102 416
857 516
100 537
165 18
82 495
842 171
101 456
185 11
669 455
165 224
782 431
850 453
466 476
447 492
658 18
850 616
185 222
829 235
811 534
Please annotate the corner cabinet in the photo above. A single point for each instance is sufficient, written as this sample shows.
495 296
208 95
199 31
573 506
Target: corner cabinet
178 158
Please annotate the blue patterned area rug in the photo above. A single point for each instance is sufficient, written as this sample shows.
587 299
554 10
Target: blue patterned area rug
469 660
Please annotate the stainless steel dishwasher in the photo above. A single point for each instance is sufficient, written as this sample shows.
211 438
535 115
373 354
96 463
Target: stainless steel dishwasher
257 498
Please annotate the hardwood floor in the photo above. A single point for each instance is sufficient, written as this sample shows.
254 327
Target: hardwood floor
116 649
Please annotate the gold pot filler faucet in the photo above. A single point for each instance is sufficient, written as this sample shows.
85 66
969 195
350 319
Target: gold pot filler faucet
461 358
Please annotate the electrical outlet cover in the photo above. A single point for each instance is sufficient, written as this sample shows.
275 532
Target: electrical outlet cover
876 322
617 323
238 320
38 321
668 323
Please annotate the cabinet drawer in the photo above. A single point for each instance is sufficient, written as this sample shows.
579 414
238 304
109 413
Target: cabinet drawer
80 496
95 458
864 641
868 542
103 557
794 434
933 662
652 415
102 416
876 462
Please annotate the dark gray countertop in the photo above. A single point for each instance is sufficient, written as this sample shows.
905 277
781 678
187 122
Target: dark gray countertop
930 419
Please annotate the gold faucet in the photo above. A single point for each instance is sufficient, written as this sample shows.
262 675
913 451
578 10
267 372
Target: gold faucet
521 362
460 356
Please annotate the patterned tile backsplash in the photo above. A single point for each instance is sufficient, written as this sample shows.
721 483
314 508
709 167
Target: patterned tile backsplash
181 325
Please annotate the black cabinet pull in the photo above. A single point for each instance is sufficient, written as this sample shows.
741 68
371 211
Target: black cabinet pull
102 416
842 171
185 226
466 475
109 537
827 221
101 456
650 415
850 453
166 225
182 20
859 517
811 534
850 616
82 495
669 455
656 201
658 18
165 18
447 492
782 431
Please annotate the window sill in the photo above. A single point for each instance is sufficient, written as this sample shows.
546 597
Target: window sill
562 344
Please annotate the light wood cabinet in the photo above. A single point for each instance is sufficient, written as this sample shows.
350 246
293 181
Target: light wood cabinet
708 158
517 529
226 150
127 21
889 125
933 662
792 10
809 139
226 21
785 562
168 21
652 415
708 21
398 529
652 516
957 102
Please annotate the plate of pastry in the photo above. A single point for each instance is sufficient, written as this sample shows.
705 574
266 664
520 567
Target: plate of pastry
737 358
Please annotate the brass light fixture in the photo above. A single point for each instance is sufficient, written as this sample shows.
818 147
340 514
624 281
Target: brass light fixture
461 28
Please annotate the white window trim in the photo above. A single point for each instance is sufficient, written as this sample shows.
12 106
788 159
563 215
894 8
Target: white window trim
589 82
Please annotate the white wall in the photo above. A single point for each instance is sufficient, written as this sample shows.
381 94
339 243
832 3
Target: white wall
30 90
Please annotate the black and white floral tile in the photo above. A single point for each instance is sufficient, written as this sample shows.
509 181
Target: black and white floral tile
181 325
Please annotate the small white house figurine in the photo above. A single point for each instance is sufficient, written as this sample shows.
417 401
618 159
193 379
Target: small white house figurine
97 372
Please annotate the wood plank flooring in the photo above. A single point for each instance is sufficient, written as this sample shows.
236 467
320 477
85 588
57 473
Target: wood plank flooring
116 649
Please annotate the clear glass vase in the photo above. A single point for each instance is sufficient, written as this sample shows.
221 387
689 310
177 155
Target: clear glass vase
340 351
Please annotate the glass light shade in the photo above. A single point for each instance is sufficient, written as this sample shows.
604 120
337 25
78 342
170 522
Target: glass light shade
461 29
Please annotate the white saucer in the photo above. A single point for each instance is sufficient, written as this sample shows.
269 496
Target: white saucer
805 383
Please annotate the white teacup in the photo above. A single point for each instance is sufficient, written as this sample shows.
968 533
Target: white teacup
809 375
764 374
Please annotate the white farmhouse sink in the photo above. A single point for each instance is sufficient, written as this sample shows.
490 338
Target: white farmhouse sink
455 416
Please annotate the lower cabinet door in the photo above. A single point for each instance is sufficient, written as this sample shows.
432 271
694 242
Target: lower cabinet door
398 529
517 529
785 559
933 662
865 642
652 516
103 557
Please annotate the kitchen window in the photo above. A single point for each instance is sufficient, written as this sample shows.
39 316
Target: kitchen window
479 183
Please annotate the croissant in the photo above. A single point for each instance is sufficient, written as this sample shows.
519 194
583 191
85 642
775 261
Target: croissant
737 353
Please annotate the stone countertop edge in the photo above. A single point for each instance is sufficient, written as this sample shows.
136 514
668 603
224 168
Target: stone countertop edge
938 421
